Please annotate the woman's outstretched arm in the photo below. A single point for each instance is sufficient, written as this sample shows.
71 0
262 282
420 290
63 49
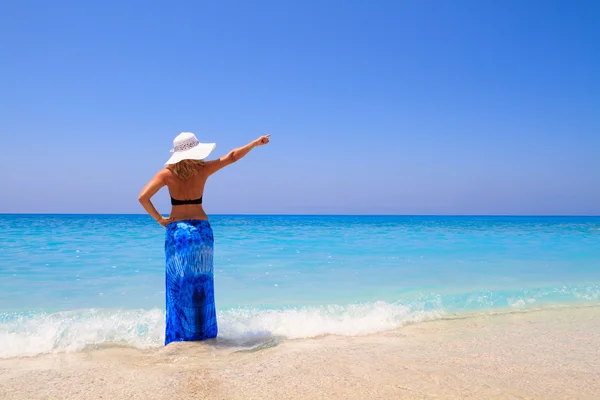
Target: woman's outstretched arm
150 190
235 155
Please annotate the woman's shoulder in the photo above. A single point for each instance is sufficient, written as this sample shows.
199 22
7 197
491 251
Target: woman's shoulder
165 174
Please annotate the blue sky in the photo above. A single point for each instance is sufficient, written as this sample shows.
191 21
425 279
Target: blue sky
375 107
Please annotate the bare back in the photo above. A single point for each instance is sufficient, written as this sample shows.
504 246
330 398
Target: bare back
187 189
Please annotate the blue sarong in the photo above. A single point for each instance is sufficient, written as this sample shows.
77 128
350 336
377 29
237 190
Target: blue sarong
190 296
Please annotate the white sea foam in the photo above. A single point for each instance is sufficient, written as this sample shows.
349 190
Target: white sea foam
308 322
30 334
33 334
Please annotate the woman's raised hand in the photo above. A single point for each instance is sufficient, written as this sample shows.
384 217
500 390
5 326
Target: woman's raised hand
261 141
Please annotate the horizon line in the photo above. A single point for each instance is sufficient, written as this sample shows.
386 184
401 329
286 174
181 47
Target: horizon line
312 215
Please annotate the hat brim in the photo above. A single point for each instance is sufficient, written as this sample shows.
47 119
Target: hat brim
199 152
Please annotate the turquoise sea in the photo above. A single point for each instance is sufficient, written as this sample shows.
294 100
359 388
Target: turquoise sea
68 282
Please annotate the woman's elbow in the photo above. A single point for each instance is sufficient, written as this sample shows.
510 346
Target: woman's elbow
233 156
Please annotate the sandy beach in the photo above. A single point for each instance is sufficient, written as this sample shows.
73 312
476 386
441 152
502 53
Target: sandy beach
544 354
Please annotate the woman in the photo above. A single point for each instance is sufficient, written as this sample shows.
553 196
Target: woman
190 301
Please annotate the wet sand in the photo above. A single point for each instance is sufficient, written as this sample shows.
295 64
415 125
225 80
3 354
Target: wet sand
546 354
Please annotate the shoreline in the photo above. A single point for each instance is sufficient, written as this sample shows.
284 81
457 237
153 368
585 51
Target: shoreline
542 353
248 338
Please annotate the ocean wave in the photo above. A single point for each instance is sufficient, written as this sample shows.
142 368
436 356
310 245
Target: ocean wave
298 323
32 334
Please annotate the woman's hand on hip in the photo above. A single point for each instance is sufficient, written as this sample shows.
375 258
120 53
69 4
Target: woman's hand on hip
164 221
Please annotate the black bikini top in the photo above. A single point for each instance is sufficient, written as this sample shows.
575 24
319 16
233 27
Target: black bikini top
176 202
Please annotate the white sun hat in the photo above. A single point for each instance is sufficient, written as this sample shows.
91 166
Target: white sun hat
187 147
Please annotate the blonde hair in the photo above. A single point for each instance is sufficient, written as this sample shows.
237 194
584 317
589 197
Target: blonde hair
184 168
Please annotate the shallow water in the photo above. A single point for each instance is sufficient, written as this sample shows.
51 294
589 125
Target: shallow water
67 282
552 353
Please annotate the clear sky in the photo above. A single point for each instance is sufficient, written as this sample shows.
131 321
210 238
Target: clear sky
375 107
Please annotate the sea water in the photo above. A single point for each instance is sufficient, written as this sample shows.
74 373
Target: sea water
72 281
